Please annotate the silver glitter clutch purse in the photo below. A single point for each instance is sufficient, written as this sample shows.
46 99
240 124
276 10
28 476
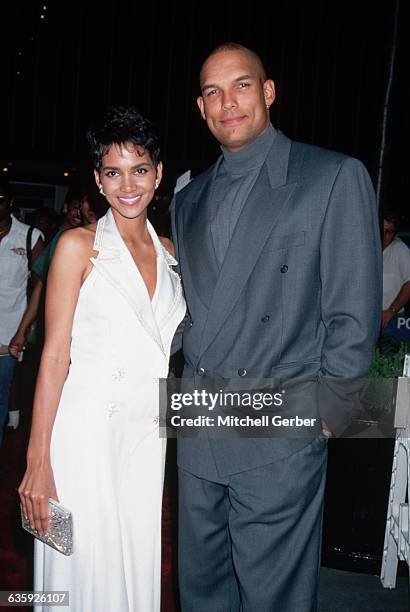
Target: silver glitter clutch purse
60 530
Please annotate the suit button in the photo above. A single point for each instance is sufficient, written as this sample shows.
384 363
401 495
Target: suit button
191 323
265 319
201 371
242 372
284 269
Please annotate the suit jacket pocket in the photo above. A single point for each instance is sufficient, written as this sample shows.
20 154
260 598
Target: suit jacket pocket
299 387
276 242
297 369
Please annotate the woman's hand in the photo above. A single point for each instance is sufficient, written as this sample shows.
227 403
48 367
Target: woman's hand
35 489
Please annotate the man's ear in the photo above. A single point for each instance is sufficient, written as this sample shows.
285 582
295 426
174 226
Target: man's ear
269 92
200 102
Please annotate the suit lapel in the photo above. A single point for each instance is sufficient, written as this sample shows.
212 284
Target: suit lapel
265 204
116 266
168 294
198 242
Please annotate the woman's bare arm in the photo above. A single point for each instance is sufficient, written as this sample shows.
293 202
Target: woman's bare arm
65 277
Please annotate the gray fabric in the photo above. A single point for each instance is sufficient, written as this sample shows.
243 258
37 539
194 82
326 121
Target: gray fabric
298 295
235 177
265 512
314 211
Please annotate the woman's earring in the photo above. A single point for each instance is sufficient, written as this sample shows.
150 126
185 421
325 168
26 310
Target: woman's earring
156 184
101 190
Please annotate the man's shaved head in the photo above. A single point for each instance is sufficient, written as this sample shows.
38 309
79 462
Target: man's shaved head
231 46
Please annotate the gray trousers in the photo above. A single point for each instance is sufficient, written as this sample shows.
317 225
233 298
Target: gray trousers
252 541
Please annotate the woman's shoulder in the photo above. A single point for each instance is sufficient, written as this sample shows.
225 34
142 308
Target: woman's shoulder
168 244
77 240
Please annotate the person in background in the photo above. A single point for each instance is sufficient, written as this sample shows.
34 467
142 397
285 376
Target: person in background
30 331
71 218
16 212
396 270
17 245
47 220
93 207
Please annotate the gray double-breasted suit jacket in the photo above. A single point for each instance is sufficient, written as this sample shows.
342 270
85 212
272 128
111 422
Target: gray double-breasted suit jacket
298 294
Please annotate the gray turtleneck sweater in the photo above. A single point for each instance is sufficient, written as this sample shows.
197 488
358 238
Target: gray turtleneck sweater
235 177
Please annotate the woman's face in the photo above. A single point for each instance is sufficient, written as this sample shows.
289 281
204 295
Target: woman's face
87 212
128 177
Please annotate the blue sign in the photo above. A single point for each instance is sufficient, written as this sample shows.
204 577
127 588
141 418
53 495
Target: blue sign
399 327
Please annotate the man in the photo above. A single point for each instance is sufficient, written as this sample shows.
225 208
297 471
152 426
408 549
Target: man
278 246
396 270
26 376
72 217
14 274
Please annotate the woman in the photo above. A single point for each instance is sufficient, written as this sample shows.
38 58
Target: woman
92 208
113 305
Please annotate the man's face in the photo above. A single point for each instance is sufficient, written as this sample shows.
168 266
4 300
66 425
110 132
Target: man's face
389 233
73 214
234 98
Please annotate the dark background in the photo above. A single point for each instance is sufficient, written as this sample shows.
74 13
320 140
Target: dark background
64 61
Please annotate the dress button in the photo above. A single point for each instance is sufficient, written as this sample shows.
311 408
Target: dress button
284 269
201 371
118 374
111 409
242 372
265 319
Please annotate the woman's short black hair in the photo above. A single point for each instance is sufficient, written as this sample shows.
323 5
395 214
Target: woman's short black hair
119 125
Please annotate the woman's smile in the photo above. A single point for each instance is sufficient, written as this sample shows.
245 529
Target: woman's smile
129 200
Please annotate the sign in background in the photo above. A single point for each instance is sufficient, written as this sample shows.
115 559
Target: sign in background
399 327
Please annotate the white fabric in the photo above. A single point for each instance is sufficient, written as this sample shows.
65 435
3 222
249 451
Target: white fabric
396 270
107 456
13 277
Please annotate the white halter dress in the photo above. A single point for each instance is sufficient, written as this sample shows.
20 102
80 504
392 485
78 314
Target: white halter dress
106 451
